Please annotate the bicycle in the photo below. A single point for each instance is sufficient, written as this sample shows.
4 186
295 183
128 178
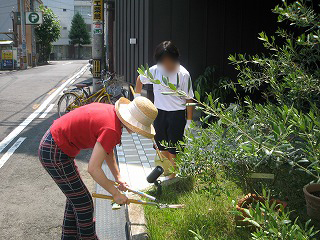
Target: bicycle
109 93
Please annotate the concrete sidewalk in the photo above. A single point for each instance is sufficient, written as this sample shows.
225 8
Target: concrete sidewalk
136 160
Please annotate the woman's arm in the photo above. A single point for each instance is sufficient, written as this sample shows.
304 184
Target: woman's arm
95 170
113 166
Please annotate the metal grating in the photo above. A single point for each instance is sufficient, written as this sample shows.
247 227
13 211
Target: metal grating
110 224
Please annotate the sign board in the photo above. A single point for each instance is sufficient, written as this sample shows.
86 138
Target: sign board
7 54
97 10
34 18
7 63
262 175
97 28
96 67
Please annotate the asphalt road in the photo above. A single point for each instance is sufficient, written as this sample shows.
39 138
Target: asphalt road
31 205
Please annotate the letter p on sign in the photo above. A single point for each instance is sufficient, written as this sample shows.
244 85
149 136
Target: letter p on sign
33 18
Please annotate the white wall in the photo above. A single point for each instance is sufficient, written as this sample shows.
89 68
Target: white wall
65 17
5 19
64 9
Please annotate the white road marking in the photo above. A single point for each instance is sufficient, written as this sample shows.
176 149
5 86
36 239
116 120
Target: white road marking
11 150
43 115
8 139
66 63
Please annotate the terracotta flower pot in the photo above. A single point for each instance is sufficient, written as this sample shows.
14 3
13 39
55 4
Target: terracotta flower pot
245 203
312 196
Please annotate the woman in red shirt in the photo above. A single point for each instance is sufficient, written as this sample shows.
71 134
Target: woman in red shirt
98 126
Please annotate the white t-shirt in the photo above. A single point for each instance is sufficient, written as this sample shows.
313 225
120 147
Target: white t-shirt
168 102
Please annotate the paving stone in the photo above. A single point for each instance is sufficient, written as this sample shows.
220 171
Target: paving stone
126 140
150 152
130 152
141 152
132 157
143 158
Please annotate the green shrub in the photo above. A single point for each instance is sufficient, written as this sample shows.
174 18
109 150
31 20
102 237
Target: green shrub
255 133
208 83
291 70
272 221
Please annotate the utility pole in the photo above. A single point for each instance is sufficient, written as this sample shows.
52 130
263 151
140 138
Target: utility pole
98 41
110 56
33 39
23 35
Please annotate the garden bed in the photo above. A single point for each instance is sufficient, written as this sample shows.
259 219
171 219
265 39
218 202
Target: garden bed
207 213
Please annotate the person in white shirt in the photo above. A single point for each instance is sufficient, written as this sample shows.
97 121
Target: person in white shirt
173 115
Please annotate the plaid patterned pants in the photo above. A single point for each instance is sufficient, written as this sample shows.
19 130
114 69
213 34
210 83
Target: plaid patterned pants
78 217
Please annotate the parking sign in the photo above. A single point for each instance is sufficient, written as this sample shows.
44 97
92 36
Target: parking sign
33 18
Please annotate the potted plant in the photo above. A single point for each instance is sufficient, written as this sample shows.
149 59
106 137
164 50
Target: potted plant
248 205
312 195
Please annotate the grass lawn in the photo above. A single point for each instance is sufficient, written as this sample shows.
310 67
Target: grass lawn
204 212
210 213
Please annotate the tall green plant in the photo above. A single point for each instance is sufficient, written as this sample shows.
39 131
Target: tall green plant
283 133
47 33
208 83
291 69
79 34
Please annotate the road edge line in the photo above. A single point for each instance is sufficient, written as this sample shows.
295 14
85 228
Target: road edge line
15 132
11 151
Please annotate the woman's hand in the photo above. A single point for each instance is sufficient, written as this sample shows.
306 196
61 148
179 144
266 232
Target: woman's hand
120 198
122 184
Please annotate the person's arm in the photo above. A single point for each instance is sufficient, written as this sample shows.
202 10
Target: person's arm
138 87
94 168
113 166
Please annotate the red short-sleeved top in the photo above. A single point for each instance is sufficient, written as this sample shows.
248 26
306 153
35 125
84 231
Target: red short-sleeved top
84 126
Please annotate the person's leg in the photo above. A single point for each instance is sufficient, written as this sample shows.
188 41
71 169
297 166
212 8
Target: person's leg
69 227
63 171
176 125
81 201
161 126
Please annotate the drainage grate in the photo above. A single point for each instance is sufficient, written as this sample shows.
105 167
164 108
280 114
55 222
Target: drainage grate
110 224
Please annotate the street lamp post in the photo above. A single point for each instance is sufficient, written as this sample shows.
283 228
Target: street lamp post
98 42
23 35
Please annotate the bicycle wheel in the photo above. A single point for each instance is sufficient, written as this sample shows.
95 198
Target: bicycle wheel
105 99
80 92
68 102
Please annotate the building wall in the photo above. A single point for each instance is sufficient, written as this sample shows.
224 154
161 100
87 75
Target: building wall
5 16
84 7
6 23
205 31
131 21
65 10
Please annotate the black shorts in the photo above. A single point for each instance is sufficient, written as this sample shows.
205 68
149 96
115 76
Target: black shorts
169 126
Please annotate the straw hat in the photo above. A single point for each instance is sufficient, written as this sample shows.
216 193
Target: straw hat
137 115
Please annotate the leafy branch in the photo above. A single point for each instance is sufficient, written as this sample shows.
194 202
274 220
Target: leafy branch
229 117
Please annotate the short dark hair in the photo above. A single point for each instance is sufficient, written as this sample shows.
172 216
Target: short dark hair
166 49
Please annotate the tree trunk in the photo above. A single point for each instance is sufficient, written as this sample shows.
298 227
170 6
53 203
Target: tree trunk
79 51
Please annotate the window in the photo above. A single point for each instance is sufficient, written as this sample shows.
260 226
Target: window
85 11
65 28
64 10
